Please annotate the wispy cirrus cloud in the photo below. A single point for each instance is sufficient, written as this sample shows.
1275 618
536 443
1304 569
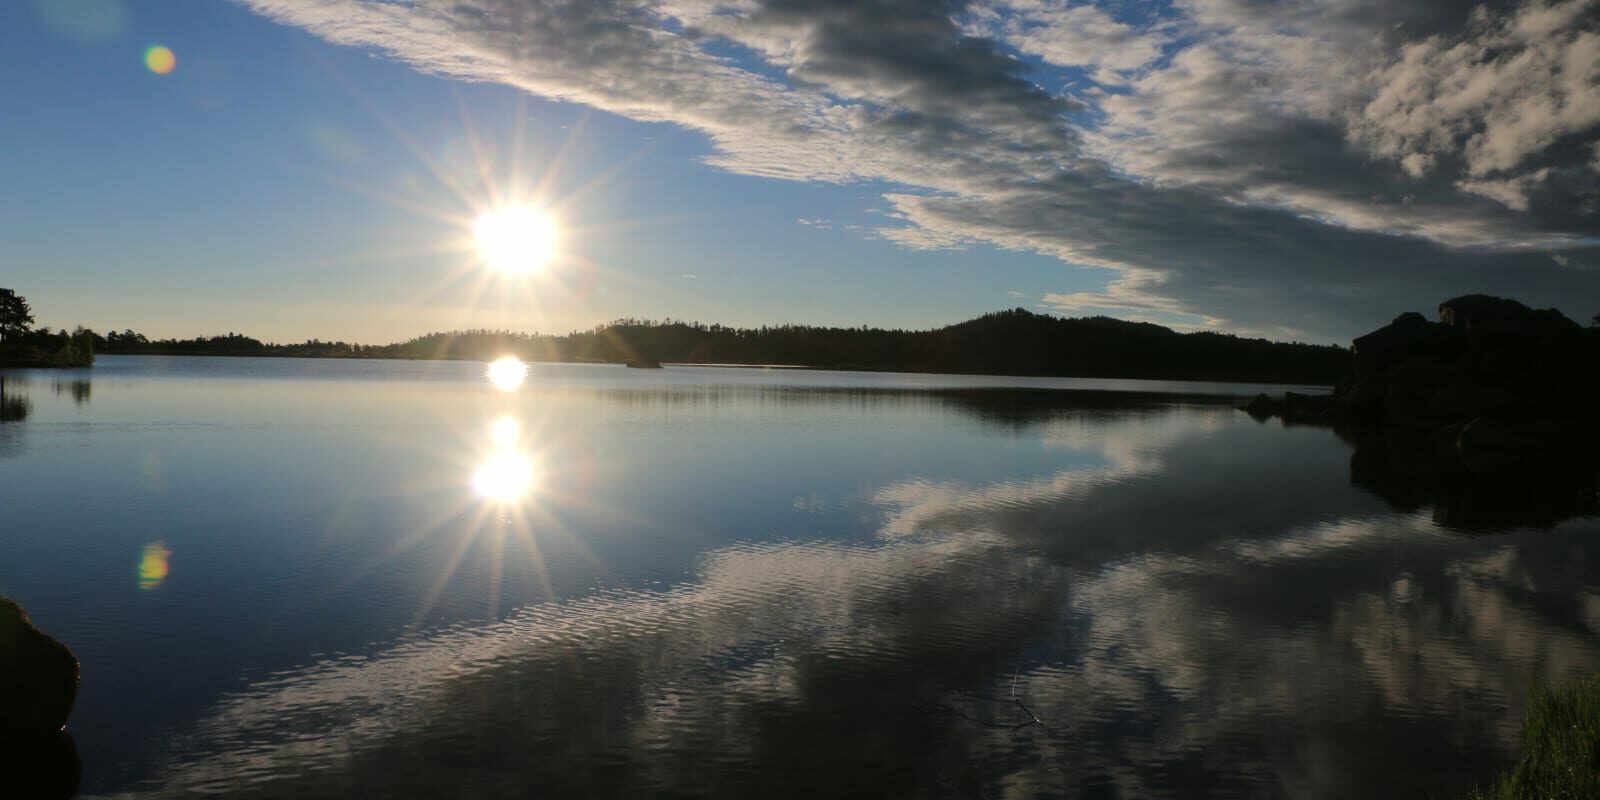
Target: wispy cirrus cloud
1303 169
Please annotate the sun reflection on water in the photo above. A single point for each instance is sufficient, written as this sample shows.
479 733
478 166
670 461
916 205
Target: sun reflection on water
505 431
507 474
508 482
505 477
507 373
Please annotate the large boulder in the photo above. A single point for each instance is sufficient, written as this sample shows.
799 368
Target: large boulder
1408 338
38 678
1483 315
1501 385
1262 406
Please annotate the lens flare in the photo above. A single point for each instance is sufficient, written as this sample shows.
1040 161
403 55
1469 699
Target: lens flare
160 59
507 373
516 239
506 476
153 566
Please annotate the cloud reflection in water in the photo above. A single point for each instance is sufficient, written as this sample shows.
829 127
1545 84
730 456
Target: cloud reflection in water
1282 620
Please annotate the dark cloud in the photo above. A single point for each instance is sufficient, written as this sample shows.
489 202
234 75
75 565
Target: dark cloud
1295 168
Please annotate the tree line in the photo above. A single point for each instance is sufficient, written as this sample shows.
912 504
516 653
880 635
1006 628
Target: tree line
1014 342
21 345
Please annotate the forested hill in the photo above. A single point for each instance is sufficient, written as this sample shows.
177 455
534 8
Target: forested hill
1014 342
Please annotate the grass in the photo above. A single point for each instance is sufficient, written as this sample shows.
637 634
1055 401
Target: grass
1560 746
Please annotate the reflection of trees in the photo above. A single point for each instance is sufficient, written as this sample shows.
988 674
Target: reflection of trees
80 389
14 405
1017 408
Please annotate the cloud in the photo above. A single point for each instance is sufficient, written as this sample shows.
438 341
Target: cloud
1070 34
1499 93
1298 168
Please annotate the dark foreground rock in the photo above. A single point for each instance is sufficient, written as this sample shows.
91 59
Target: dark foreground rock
40 768
38 679
1501 386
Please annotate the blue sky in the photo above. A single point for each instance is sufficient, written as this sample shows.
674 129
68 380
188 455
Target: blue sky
253 189
307 168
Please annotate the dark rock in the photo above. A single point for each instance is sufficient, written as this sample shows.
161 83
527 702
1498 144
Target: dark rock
1293 400
1365 399
1409 337
1489 434
1503 362
1261 407
1489 446
1468 401
1313 409
1444 440
1495 386
1481 315
1405 405
40 768
38 678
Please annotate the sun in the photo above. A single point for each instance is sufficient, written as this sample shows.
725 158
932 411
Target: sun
516 239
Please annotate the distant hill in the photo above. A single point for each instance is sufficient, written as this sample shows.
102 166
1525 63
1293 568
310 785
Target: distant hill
1015 342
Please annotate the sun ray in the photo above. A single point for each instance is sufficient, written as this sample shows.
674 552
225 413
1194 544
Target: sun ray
438 170
446 575
557 163
480 156
611 173
519 136
388 198
360 257
496 571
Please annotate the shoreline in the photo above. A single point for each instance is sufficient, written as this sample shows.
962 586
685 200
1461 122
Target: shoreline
1203 378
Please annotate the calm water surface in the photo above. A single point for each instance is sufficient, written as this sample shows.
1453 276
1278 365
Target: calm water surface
285 578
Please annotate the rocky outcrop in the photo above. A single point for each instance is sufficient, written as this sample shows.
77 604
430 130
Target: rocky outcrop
1496 383
38 680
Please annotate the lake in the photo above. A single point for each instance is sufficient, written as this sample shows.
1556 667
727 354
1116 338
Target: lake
327 578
